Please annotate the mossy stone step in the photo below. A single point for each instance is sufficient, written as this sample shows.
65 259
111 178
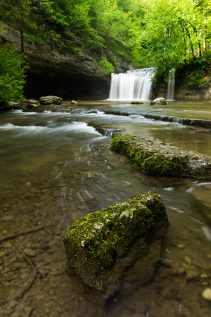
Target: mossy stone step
154 157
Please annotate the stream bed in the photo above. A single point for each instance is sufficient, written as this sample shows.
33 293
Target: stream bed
55 168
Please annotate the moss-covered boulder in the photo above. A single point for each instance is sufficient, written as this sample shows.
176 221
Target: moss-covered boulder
118 245
160 159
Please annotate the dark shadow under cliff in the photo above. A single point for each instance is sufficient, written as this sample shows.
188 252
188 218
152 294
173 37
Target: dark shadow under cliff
67 86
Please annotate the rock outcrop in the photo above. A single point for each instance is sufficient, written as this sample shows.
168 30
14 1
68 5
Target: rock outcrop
119 245
154 157
70 75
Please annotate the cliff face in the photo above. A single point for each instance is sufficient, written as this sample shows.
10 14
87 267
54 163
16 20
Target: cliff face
74 75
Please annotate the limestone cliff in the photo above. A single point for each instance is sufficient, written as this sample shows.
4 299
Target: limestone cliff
70 75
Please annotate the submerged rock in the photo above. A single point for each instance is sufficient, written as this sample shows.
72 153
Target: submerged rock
207 294
154 157
119 245
159 101
49 100
137 103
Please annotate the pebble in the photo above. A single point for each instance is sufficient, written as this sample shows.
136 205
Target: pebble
207 294
204 276
180 246
187 259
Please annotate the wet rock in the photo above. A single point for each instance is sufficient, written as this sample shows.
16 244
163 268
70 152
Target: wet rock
118 245
30 105
159 101
137 103
207 294
73 102
202 193
104 130
14 105
49 100
162 159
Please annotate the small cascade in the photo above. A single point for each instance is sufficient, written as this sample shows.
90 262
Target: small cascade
171 85
132 85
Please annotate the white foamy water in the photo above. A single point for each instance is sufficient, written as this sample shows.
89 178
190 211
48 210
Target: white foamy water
132 85
78 127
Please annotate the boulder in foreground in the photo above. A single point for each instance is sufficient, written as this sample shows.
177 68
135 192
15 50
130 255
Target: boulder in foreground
119 245
154 157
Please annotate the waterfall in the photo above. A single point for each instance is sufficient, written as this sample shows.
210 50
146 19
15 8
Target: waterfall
171 85
132 85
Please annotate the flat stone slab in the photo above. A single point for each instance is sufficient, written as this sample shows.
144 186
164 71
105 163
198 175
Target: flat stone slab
154 157
118 245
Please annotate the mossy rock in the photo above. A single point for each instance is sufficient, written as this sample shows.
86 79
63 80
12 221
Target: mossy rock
102 245
159 159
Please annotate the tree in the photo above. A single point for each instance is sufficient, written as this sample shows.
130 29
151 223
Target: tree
171 33
12 74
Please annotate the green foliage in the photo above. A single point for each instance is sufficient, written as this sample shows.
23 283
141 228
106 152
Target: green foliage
161 33
107 67
12 74
195 79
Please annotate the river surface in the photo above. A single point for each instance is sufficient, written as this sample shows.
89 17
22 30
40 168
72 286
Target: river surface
55 168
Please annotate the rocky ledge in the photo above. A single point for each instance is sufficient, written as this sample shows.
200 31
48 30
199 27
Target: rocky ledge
154 157
119 245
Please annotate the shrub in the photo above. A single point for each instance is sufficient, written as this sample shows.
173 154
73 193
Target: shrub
107 67
12 74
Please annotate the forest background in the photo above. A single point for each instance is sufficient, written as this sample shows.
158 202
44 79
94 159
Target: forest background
164 34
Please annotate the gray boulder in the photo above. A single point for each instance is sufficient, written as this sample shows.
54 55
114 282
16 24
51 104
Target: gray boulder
118 247
30 104
159 101
49 100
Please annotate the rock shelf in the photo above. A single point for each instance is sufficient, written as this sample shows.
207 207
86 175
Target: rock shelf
154 157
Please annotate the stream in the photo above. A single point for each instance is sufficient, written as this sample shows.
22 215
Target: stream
55 168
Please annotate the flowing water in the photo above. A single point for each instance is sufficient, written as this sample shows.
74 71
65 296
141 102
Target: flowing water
55 168
132 85
171 85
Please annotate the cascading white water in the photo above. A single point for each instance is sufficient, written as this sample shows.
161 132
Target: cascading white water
171 85
132 85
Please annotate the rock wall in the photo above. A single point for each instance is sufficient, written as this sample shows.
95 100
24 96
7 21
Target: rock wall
70 75
185 93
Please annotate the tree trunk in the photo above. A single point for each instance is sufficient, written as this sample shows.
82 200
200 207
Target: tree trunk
22 43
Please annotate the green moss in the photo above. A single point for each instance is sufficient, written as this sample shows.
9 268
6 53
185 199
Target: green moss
152 158
96 242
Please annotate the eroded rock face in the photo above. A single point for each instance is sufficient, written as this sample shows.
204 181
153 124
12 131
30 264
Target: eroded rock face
159 159
119 245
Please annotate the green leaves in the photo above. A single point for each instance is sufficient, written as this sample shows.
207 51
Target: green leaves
12 75
107 67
